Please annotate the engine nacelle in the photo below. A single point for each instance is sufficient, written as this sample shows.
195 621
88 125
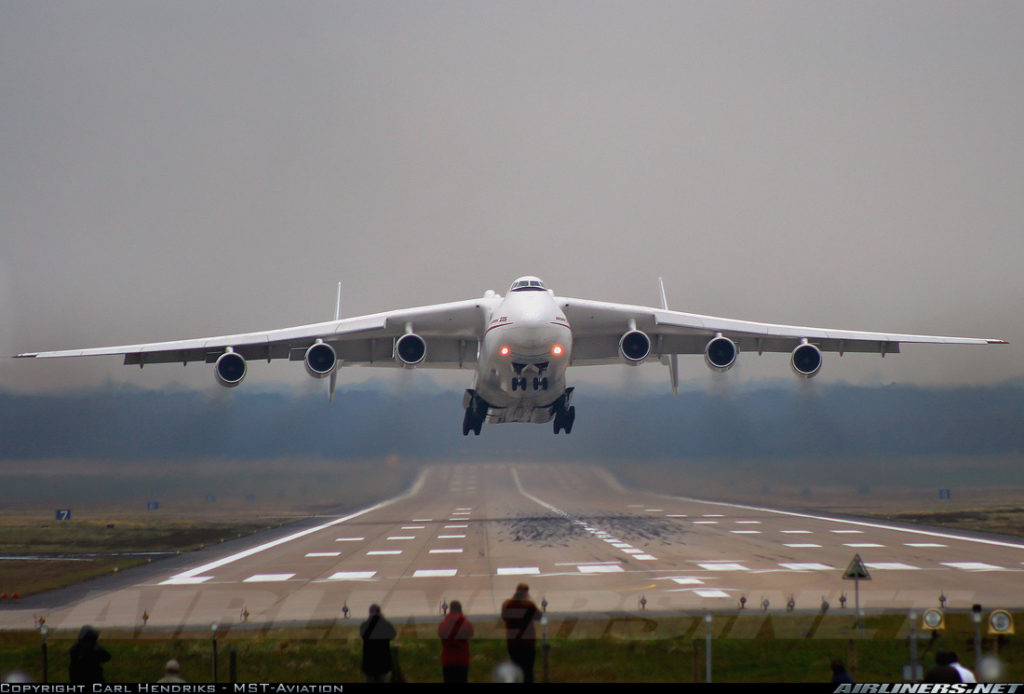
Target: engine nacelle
230 369
806 360
720 353
410 350
634 346
320 360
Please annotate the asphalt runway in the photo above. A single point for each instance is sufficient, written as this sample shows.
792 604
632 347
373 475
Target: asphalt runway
580 540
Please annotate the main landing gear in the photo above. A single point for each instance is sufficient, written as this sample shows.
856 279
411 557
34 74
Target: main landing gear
564 419
476 413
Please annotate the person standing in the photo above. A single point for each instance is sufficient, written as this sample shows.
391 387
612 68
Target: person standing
965 674
87 658
455 631
376 633
519 613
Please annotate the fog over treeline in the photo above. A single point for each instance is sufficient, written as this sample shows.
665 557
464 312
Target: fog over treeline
773 421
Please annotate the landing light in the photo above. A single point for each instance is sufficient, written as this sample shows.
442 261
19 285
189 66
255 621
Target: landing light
503 351
557 350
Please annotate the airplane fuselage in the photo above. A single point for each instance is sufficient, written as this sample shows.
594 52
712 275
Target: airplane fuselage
526 348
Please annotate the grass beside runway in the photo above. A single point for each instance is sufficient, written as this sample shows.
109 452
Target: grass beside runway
748 647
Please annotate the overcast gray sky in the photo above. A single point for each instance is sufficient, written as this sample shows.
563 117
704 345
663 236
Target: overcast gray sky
172 170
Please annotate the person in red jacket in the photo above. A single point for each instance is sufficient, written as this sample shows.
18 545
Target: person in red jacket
455 631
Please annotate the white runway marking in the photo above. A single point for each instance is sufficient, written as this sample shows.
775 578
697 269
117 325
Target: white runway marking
890 566
863 524
382 552
413 527
745 532
446 551
862 544
711 593
422 520
705 522
518 570
807 567
622 545
797 532
687 580
722 566
676 515
453 527
451 537
633 550
467 509
973 566
847 532
267 578
352 576
645 557
924 544
434 573
748 522
599 568
295 536
323 554
654 510
402 537
185 581
349 539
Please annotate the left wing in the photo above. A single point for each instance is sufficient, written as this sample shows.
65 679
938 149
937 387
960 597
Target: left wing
450 332
599 326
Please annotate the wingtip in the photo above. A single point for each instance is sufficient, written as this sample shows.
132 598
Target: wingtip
993 341
24 355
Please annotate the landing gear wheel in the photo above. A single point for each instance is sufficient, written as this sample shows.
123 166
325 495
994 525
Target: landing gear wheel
468 423
570 419
544 383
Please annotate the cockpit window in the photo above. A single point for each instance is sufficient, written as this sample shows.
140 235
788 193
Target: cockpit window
531 284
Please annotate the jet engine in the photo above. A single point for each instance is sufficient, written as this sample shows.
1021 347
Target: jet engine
720 353
410 350
806 360
320 360
634 345
230 369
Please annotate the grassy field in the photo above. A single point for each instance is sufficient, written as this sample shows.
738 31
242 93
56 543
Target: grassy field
745 648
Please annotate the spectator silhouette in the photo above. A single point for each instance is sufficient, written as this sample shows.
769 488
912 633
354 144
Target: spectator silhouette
839 673
519 613
376 633
87 658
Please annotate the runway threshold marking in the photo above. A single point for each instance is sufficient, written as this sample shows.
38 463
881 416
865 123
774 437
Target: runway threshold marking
197 571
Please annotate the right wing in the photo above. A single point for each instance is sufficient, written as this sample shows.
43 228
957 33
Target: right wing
451 331
598 325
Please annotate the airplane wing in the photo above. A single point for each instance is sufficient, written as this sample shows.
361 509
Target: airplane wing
450 331
598 327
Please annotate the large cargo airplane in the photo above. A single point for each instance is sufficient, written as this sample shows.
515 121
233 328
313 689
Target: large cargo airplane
520 346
